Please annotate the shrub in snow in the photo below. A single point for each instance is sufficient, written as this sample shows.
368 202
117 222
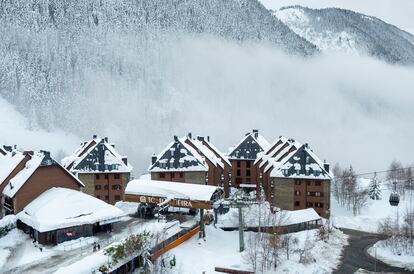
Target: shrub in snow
6 224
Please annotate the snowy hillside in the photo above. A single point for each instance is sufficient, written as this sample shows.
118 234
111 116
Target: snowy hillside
334 29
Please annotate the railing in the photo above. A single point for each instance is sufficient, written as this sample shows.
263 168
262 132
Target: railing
86 246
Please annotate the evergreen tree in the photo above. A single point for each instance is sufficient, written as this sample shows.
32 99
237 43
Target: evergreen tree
374 188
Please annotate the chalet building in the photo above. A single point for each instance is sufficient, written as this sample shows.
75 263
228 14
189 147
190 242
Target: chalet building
243 156
26 175
293 177
266 162
62 214
104 172
191 160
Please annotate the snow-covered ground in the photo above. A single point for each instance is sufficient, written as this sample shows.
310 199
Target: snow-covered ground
381 252
220 249
371 214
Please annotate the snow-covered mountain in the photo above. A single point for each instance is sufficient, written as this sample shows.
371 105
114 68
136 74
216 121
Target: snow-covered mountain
334 29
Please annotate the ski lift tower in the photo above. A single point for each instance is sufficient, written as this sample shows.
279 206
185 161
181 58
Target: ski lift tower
240 200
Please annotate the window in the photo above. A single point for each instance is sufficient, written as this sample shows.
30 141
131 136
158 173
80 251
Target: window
238 172
181 174
297 182
297 203
106 176
320 205
317 183
172 175
106 187
309 204
116 187
248 172
98 187
162 175
117 197
297 193
97 176
238 164
248 164
117 176
319 194
308 183
106 197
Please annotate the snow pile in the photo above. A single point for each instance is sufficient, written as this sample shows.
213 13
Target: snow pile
127 207
171 189
383 253
8 242
326 255
220 248
61 207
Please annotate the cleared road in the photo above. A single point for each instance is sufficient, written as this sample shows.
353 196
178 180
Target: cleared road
355 255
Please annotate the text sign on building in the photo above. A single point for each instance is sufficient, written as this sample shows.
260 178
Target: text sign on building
172 202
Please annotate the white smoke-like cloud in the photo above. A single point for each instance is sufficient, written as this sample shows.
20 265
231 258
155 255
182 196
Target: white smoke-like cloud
351 110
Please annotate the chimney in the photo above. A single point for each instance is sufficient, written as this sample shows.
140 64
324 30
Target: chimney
27 152
113 145
200 138
175 138
94 136
153 158
46 153
125 160
190 136
256 133
106 139
208 139
326 166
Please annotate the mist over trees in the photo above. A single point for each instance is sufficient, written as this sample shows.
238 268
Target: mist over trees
141 72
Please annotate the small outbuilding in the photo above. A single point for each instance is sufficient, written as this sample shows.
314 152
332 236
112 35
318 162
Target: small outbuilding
61 214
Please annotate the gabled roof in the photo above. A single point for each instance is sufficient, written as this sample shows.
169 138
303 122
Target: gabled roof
249 147
37 159
208 150
96 155
59 208
8 163
303 163
179 156
278 144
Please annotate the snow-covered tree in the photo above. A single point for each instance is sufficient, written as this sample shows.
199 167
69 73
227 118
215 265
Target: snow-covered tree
374 191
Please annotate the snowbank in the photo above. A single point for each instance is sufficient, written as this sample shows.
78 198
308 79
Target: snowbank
381 252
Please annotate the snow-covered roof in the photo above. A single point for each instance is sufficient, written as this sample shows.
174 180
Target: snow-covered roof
59 208
8 163
302 164
179 156
20 179
299 216
37 159
204 150
249 147
96 155
218 152
194 192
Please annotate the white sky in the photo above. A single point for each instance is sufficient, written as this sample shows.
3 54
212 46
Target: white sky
396 12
